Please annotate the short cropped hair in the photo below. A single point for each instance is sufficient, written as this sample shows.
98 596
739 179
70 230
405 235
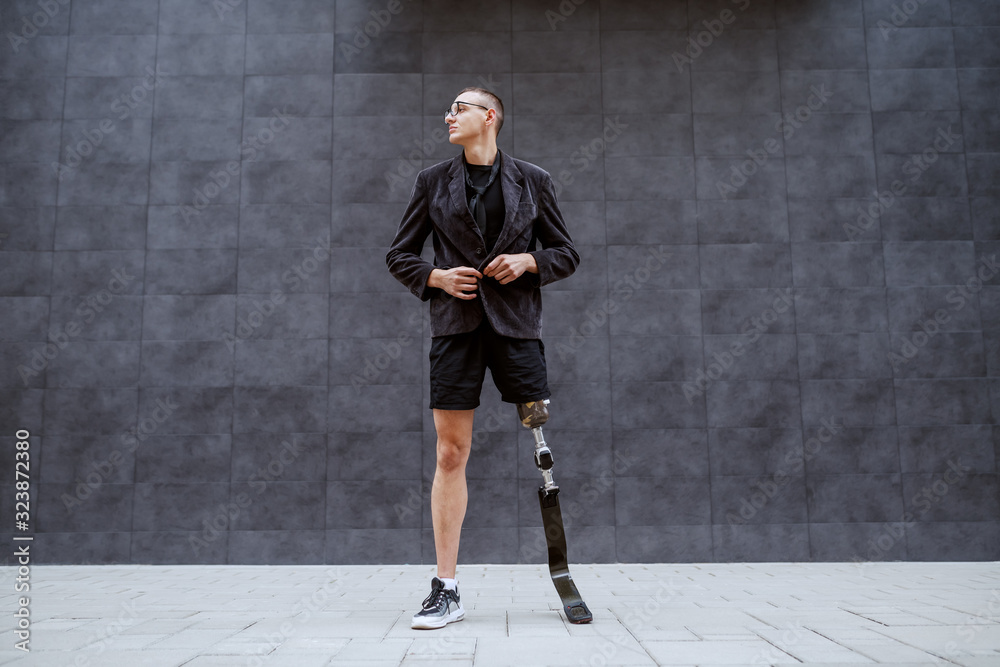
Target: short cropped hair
494 101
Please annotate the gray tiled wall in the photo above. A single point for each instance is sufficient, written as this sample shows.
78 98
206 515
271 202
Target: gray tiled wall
201 336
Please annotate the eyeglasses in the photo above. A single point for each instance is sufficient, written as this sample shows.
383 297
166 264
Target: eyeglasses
454 110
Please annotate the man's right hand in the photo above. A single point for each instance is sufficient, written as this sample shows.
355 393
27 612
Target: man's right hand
455 281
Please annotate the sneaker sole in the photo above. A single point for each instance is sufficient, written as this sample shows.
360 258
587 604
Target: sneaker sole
434 624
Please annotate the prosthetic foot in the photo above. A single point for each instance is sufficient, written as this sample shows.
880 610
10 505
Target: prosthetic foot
533 415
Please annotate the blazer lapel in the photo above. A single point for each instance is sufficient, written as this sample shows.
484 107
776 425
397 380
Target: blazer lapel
512 225
457 189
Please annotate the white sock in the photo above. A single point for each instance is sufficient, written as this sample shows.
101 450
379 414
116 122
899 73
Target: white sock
450 584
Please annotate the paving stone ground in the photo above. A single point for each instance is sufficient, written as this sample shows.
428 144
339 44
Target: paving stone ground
818 614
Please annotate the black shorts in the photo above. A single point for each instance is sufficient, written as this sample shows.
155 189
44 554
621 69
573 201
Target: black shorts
459 363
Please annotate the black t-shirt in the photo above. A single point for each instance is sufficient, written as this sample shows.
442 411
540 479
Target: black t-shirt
495 209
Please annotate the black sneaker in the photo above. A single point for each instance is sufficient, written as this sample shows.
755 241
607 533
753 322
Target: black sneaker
440 608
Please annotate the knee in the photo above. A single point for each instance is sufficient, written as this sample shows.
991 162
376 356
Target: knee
451 456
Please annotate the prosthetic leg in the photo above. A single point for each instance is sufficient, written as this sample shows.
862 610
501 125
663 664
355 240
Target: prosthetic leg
533 415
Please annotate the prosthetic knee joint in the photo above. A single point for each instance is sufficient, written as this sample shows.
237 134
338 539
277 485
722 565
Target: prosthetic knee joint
533 415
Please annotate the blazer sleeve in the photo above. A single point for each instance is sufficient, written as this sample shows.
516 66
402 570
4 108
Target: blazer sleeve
403 259
558 258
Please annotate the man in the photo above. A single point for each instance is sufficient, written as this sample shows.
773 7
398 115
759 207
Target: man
487 212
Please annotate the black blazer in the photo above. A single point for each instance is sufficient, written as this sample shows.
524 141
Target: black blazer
438 207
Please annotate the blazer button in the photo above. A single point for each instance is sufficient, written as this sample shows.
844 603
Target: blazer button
479 252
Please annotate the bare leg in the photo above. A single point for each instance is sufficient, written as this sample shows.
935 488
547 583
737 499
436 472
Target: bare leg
449 493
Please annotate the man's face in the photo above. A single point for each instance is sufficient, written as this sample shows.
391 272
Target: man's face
470 122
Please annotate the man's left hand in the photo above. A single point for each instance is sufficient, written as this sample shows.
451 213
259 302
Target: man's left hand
506 268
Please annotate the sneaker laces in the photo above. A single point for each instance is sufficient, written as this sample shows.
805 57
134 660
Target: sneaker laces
436 597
